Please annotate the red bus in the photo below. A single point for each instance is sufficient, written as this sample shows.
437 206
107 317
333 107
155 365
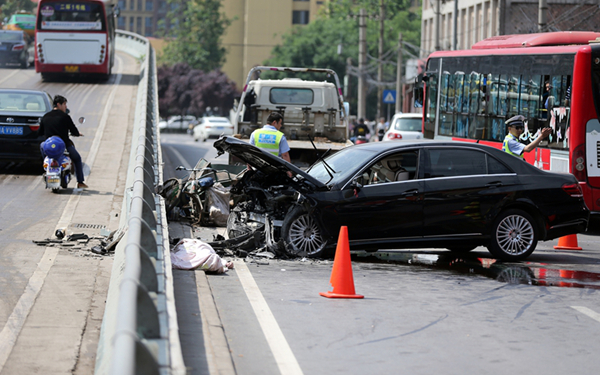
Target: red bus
75 37
553 79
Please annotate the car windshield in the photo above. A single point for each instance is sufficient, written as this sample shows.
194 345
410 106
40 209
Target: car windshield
344 164
22 102
408 124
10 37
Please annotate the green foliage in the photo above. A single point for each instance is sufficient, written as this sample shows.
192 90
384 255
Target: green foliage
195 29
316 44
10 7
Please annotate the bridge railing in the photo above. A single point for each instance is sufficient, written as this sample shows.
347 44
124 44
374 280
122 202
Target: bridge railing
139 330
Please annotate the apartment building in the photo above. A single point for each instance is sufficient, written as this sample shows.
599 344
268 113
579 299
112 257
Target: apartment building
480 19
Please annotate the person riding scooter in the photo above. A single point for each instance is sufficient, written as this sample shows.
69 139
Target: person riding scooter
58 122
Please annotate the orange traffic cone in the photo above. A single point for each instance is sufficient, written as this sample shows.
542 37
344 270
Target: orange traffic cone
568 242
341 275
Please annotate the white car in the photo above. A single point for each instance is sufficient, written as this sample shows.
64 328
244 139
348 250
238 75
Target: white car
212 127
405 126
178 123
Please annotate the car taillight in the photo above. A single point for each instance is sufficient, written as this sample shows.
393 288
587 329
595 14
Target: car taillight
18 47
34 128
207 126
578 163
394 136
573 190
54 164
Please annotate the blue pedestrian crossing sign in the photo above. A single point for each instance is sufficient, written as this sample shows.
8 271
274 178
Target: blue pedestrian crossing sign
389 96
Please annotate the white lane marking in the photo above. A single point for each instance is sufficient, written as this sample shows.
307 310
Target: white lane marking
589 312
98 136
16 320
284 357
8 76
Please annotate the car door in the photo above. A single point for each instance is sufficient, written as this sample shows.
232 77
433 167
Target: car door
378 208
464 187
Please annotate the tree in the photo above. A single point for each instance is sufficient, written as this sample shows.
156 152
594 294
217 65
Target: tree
10 7
316 44
195 29
186 91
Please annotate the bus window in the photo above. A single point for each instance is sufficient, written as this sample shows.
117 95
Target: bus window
503 95
466 89
446 104
523 104
431 100
474 93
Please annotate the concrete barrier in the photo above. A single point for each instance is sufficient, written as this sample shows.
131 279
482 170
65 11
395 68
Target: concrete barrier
139 332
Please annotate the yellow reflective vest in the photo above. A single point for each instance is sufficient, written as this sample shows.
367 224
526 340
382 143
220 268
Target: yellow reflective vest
505 147
268 140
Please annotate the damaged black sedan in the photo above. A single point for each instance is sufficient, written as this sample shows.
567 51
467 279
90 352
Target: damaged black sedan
414 194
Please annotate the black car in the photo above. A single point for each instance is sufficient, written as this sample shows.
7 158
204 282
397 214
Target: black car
20 114
15 48
405 194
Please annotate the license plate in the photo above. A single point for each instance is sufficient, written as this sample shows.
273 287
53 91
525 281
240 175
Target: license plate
3 48
53 180
71 68
11 130
220 127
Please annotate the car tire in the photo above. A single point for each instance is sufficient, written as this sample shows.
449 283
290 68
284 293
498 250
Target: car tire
302 234
514 235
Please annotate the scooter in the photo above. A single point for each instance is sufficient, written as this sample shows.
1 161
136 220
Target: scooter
57 164
58 167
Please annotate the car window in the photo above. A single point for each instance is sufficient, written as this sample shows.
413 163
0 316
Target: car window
400 166
23 102
342 165
408 124
462 162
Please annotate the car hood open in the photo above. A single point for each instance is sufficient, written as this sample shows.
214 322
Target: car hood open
261 160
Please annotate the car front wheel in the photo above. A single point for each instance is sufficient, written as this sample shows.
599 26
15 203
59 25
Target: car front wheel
513 236
302 234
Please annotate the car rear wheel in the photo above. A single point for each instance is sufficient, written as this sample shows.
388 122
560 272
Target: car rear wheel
302 234
514 235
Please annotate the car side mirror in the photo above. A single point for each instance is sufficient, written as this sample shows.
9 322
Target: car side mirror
81 120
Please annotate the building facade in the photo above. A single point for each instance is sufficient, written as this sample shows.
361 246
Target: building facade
480 19
257 26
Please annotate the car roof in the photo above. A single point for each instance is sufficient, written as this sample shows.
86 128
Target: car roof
517 164
408 115
22 91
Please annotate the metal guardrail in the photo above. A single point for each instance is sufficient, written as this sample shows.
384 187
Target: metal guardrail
139 333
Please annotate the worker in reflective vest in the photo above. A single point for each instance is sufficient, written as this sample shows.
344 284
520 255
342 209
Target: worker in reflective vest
516 127
270 139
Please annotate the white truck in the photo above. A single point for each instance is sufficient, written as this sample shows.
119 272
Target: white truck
312 110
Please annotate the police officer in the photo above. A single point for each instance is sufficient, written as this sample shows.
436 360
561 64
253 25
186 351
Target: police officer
516 127
270 139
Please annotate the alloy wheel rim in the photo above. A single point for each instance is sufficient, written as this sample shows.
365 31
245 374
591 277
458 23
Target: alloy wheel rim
305 235
515 235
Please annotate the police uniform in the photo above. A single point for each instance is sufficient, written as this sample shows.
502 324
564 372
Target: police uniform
270 139
511 144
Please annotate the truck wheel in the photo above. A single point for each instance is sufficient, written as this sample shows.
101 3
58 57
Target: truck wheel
514 235
302 234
